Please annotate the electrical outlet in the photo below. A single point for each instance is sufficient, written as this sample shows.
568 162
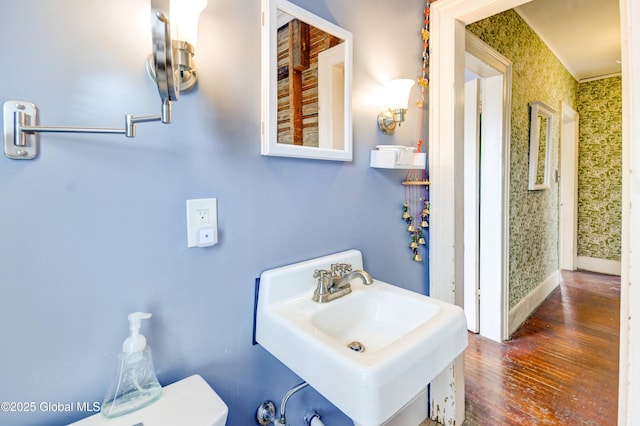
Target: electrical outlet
202 215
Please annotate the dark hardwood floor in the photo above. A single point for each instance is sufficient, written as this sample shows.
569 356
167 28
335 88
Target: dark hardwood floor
559 368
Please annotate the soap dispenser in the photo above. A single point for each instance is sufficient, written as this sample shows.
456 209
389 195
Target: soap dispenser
134 384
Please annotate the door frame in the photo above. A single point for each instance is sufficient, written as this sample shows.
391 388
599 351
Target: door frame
472 141
568 193
492 193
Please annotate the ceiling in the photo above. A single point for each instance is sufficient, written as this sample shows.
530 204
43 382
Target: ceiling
583 34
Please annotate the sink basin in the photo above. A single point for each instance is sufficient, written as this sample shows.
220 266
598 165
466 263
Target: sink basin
369 352
375 316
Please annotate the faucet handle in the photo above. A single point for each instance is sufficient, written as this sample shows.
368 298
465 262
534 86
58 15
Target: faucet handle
339 269
324 278
335 269
321 273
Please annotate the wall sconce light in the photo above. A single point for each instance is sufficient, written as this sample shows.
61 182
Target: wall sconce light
184 34
398 97
170 64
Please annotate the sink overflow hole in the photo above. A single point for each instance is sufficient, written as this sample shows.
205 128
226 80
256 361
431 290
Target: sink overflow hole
356 346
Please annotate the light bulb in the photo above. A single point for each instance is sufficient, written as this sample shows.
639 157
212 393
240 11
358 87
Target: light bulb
398 93
183 19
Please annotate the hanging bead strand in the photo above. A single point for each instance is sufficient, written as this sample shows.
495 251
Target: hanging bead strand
415 210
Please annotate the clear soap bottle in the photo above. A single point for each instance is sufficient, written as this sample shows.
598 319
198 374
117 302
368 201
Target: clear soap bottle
134 384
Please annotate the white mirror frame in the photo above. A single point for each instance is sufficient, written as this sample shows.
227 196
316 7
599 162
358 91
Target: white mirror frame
540 110
269 128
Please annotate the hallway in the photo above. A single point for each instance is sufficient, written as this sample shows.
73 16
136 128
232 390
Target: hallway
560 367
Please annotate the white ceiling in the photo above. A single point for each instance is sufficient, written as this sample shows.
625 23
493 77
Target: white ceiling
583 34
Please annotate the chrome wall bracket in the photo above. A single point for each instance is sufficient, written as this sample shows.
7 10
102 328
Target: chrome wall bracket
27 146
21 129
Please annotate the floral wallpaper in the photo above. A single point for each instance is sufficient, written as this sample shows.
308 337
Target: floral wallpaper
537 75
600 168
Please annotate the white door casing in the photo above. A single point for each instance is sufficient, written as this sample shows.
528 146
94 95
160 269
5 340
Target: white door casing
568 188
471 200
492 203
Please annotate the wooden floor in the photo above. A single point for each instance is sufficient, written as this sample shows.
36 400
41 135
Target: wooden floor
559 368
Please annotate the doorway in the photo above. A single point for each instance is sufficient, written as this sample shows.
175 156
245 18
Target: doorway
568 188
448 20
487 107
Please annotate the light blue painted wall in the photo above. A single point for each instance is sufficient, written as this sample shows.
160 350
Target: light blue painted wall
95 227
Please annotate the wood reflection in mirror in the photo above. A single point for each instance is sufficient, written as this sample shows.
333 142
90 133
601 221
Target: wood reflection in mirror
299 48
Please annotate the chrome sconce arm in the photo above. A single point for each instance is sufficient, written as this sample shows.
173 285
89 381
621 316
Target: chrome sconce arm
171 66
21 128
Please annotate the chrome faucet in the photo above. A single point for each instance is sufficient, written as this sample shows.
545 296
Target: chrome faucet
367 279
334 283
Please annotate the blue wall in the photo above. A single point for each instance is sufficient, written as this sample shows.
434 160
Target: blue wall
95 227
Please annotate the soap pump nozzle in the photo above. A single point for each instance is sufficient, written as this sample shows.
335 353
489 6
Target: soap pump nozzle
136 342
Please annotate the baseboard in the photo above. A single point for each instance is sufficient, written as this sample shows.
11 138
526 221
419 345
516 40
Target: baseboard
519 313
601 266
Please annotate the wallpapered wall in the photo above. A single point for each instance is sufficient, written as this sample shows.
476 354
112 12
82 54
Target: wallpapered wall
600 168
537 76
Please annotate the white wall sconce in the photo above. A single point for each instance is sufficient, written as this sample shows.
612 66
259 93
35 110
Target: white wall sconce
398 98
184 34
171 64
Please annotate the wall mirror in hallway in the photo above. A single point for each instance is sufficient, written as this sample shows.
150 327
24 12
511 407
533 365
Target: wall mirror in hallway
540 145
306 84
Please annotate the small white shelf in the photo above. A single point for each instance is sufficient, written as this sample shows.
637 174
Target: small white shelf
396 159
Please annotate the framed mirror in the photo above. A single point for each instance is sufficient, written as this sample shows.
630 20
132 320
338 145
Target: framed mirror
306 84
540 146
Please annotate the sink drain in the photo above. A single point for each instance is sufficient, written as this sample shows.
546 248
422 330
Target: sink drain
356 346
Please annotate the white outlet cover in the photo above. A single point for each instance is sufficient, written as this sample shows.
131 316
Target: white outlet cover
194 225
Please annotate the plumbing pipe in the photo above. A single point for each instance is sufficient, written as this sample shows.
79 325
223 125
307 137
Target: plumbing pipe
312 419
266 411
283 407
316 422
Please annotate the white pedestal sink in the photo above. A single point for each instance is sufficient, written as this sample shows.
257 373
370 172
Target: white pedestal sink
408 338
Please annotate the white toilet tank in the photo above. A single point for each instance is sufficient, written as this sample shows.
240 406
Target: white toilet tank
188 402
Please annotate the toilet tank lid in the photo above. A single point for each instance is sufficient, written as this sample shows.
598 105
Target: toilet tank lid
190 401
